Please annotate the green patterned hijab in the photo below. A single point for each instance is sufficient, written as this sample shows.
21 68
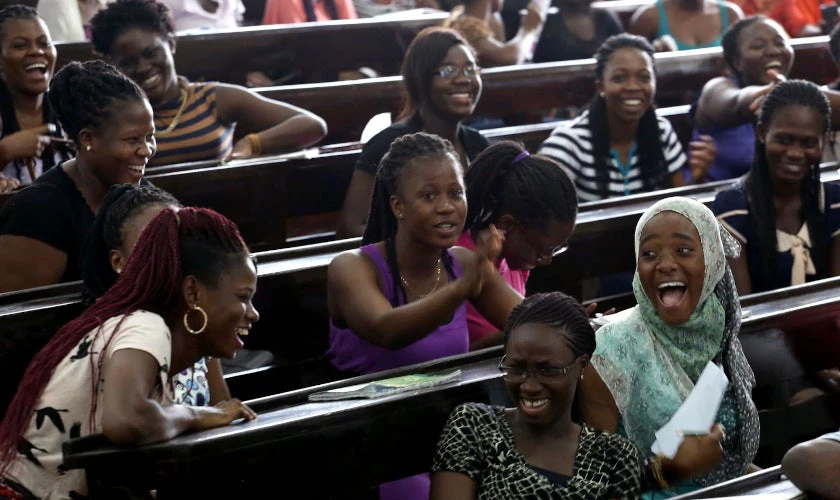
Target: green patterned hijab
650 366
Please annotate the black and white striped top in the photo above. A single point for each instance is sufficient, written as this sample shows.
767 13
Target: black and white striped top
570 144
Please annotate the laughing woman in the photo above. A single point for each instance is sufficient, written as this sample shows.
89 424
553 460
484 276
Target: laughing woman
646 364
195 121
442 85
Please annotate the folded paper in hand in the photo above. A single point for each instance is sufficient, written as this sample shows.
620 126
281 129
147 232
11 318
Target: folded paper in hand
697 413
386 387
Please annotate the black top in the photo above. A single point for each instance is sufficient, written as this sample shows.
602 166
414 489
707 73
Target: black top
472 140
557 43
51 210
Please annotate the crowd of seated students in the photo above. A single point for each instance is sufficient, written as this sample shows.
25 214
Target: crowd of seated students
436 275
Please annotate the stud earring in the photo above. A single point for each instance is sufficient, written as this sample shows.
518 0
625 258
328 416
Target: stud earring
87 148
400 215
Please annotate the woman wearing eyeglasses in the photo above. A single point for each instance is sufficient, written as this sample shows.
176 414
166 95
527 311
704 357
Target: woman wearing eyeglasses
532 201
536 449
441 87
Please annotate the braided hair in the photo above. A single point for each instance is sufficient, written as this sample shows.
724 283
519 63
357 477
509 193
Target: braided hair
87 95
559 312
731 49
423 56
109 23
654 171
504 179
123 203
8 117
757 186
381 223
194 242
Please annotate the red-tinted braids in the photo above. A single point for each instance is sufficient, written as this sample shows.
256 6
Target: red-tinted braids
195 241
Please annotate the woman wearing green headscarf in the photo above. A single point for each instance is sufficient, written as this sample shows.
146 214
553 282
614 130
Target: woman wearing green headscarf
645 365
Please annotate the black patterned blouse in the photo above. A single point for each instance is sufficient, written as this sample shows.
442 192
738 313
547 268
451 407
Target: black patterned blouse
478 441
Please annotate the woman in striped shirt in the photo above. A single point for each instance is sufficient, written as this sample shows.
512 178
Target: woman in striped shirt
194 121
619 146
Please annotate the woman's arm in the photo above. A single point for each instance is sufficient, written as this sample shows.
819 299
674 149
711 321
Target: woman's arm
26 263
492 52
596 402
131 417
723 104
280 127
448 485
216 380
353 217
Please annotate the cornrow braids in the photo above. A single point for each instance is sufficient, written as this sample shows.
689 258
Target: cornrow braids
381 223
423 56
534 189
86 95
758 188
731 48
8 117
654 171
559 312
123 203
195 241
118 17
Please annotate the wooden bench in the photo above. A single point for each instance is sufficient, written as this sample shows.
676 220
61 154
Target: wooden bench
308 52
354 443
524 94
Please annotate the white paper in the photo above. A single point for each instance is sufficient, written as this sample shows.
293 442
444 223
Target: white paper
375 125
697 413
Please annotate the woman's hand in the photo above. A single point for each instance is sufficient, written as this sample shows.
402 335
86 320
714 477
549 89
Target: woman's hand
665 43
223 414
8 184
488 249
29 143
534 16
696 456
243 149
760 95
701 155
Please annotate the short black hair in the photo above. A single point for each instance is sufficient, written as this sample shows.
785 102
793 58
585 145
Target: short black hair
117 18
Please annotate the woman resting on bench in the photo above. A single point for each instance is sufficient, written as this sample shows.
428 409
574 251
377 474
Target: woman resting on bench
43 227
195 121
684 24
646 364
441 85
28 124
185 293
619 146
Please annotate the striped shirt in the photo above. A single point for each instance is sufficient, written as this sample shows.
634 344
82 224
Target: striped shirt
199 134
570 144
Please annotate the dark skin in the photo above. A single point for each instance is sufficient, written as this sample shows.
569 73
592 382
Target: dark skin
130 415
430 192
495 50
118 148
144 55
694 22
440 113
547 438
812 467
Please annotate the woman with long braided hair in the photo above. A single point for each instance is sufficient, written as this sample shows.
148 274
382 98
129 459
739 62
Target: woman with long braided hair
30 135
43 227
401 298
185 293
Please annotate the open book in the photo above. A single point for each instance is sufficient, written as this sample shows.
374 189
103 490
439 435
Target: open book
386 387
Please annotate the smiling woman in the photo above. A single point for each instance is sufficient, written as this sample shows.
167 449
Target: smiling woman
195 121
42 228
30 136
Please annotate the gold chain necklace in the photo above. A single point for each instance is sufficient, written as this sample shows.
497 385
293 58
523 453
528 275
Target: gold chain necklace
178 113
438 269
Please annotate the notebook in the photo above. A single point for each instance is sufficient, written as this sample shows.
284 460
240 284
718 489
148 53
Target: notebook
386 387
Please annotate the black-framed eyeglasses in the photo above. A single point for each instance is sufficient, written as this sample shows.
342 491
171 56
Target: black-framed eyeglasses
451 71
543 375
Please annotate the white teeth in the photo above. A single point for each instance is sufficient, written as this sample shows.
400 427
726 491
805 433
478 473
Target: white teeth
36 66
446 226
137 168
671 284
633 102
148 82
534 403
773 64
242 332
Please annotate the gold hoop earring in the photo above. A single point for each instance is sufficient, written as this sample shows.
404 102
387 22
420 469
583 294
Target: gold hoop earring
187 322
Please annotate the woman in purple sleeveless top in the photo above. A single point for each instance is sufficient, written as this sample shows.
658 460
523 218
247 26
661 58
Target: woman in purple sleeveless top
401 298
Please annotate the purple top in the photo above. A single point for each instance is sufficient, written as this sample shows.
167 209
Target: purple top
349 352
735 150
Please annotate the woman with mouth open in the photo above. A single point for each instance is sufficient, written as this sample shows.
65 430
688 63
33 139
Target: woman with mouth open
43 227
195 121
647 363
401 298
30 141
186 292
441 87
619 146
